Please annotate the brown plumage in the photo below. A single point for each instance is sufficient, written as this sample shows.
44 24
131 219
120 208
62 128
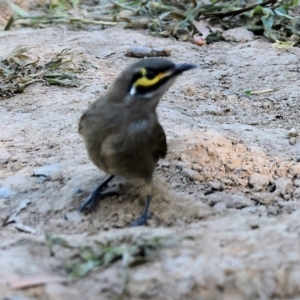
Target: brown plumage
121 130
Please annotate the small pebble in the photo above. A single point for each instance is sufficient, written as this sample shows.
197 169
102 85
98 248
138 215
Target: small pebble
216 185
6 192
296 193
197 167
292 140
74 216
165 164
284 186
198 40
97 224
50 171
293 132
219 207
297 182
192 175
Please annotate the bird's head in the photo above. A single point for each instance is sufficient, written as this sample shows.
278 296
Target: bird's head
148 79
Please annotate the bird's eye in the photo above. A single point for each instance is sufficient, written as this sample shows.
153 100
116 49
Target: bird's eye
136 76
150 74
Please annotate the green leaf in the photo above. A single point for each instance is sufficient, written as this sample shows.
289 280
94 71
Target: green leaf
281 9
248 93
9 23
82 269
267 22
257 9
279 13
17 9
267 12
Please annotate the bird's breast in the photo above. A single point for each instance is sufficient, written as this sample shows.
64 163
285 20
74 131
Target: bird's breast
141 125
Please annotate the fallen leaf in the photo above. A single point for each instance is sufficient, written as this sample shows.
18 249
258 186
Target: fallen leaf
203 27
23 204
283 45
24 228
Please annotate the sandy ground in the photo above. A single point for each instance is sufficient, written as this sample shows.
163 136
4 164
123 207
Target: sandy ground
230 180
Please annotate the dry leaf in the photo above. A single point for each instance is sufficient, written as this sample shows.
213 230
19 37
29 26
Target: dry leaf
24 228
23 204
203 27
283 45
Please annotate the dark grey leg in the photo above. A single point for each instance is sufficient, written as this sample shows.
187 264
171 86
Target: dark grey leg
90 203
142 220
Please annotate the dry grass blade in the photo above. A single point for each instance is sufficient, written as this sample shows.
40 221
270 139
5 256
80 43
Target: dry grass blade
172 18
101 254
19 69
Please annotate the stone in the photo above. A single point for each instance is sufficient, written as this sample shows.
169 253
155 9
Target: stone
203 210
165 164
259 181
293 132
292 141
295 170
265 198
284 185
182 164
216 185
282 171
74 216
219 207
289 206
260 209
197 167
297 182
191 174
238 34
49 171
230 200
6 192
296 193
96 224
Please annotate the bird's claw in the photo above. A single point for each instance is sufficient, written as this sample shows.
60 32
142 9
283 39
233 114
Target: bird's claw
141 221
91 202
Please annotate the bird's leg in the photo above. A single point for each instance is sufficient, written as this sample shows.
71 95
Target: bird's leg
142 220
93 199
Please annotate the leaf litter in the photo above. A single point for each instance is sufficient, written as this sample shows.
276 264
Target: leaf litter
19 69
183 20
100 254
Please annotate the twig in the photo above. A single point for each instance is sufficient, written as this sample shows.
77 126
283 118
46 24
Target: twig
238 11
261 92
147 52
65 19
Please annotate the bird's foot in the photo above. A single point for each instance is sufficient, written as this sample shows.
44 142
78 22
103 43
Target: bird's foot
141 221
91 202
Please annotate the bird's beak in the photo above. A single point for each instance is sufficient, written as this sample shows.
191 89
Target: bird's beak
180 68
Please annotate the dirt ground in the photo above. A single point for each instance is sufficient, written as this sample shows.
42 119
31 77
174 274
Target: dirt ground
231 179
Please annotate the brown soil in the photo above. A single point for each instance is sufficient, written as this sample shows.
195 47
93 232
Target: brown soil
245 237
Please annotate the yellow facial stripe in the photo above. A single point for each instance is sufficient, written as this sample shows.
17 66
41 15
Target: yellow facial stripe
145 82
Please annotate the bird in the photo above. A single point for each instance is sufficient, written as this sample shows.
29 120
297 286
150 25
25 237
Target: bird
121 130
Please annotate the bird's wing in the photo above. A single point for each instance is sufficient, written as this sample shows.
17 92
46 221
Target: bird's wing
158 142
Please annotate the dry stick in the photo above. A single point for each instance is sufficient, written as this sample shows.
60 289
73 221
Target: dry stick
141 52
65 19
261 92
238 11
